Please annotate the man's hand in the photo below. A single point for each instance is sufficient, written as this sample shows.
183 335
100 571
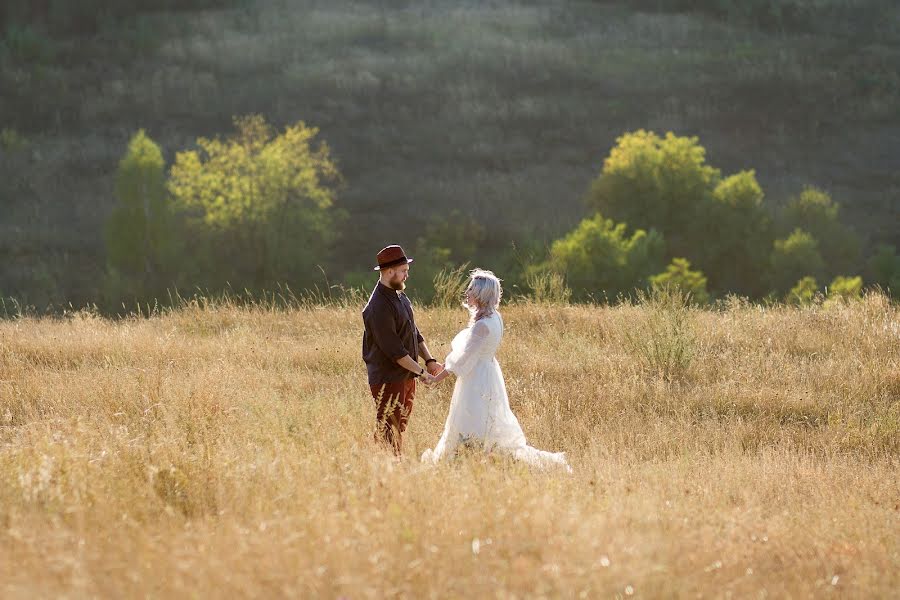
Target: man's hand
427 378
434 368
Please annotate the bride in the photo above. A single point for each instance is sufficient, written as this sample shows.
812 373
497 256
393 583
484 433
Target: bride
479 408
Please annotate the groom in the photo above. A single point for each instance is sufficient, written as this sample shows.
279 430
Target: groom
391 348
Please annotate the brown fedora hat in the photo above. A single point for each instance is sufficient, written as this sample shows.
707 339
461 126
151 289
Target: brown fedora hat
391 256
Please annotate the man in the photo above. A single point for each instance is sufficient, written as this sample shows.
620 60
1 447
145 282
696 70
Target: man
391 348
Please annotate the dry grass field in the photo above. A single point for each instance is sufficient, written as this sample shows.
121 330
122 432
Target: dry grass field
221 451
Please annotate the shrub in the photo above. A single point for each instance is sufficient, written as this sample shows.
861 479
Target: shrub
678 275
794 257
656 183
804 293
666 185
139 232
599 258
884 267
738 236
845 288
259 204
815 212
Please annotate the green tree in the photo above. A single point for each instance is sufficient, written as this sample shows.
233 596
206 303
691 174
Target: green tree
139 240
261 204
599 258
814 211
884 267
678 275
656 183
845 288
794 257
664 183
804 292
735 248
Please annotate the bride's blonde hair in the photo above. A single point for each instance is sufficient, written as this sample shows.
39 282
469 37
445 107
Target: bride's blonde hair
486 293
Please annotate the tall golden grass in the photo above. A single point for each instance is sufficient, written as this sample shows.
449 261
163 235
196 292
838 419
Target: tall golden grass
222 451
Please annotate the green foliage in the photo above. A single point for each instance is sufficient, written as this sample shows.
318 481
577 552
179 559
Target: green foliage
469 149
804 293
139 232
656 183
678 275
884 267
720 224
259 204
795 257
665 184
845 288
735 246
598 258
815 212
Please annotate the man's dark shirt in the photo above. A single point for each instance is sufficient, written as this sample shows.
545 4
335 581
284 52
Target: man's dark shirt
390 334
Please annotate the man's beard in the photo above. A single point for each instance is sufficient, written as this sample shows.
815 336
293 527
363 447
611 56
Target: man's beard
397 285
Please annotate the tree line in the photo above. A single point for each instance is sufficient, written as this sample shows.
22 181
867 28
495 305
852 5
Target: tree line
259 209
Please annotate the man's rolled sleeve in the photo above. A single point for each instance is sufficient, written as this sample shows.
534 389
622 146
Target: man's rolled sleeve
385 336
419 338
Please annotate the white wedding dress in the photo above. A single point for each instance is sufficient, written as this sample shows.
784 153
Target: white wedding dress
479 408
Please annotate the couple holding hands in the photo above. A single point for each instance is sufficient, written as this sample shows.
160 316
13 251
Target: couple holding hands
479 408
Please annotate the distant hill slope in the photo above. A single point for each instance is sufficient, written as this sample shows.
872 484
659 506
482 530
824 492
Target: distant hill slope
502 110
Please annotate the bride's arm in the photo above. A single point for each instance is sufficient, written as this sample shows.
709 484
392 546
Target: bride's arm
441 376
461 360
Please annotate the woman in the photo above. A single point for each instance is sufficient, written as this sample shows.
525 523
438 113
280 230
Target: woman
479 408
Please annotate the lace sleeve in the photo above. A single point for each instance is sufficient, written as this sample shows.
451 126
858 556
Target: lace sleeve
461 359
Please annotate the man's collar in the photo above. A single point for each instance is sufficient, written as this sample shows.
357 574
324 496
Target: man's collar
388 290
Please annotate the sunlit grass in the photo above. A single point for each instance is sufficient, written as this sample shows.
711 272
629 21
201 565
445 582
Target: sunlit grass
226 450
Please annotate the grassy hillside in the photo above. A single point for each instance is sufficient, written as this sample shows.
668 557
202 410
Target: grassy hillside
502 110
226 449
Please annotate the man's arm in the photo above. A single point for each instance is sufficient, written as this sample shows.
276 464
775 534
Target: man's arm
433 366
410 365
381 324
